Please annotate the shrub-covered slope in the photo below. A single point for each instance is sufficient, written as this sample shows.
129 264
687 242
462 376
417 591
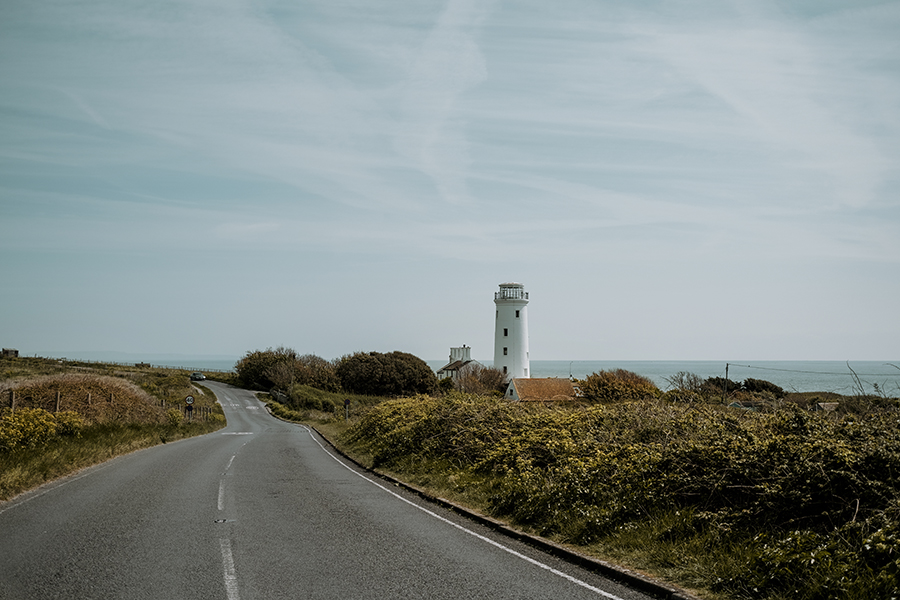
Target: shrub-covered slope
754 505
98 398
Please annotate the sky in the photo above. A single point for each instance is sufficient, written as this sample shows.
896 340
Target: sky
670 180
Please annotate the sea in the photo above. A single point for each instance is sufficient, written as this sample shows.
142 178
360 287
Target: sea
842 377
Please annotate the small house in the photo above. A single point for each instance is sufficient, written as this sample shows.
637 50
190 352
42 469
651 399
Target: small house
10 353
459 358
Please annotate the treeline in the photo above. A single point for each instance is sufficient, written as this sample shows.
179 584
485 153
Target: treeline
619 384
366 373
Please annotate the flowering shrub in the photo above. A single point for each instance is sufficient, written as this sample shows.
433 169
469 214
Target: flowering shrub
69 423
174 417
821 489
27 428
618 385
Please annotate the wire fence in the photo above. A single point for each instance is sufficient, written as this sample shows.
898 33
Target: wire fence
140 365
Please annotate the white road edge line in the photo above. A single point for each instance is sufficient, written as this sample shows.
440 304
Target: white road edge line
534 562
57 484
231 585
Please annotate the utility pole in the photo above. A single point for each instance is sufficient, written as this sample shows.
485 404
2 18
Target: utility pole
725 392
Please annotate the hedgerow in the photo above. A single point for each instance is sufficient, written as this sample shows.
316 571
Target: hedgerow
283 412
811 501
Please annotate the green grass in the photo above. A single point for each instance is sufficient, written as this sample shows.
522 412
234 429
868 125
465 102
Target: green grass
24 469
304 396
306 403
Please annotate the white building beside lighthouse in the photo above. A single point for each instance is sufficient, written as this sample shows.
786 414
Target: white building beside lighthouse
511 331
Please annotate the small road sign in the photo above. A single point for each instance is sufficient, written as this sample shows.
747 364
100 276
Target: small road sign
189 400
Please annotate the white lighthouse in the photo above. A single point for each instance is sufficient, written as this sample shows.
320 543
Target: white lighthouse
511 331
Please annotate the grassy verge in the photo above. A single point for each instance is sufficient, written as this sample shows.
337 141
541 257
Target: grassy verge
28 468
71 415
306 403
736 504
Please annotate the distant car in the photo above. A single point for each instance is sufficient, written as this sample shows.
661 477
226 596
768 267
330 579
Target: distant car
197 376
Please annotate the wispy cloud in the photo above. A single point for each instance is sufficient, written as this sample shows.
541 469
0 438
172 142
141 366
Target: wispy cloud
431 128
350 141
773 77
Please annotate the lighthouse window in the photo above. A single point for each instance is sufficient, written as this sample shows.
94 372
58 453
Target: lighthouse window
505 332
517 314
504 351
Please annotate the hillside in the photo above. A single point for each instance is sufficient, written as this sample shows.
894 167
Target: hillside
57 417
97 398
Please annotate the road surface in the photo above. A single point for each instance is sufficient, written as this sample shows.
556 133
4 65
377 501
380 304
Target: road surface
260 510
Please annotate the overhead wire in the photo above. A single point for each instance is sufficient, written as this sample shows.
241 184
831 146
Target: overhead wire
897 374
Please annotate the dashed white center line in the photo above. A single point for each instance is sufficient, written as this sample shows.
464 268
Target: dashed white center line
231 584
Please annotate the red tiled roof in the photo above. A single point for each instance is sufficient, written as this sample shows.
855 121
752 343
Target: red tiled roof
544 389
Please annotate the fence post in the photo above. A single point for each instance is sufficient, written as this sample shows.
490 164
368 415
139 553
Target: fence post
89 398
57 400
12 402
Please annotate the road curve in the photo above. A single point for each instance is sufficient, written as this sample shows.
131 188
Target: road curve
260 510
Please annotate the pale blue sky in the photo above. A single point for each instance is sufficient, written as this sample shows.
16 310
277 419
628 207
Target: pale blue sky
670 180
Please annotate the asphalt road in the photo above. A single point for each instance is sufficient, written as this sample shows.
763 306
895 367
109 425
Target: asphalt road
260 510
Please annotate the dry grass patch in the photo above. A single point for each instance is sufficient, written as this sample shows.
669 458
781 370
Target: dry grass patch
98 398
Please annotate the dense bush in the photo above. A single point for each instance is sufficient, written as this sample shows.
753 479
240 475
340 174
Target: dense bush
174 417
783 487
617 385
688 387
715 388
389 374
762 387
316 372
34 427
280 368
264 369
